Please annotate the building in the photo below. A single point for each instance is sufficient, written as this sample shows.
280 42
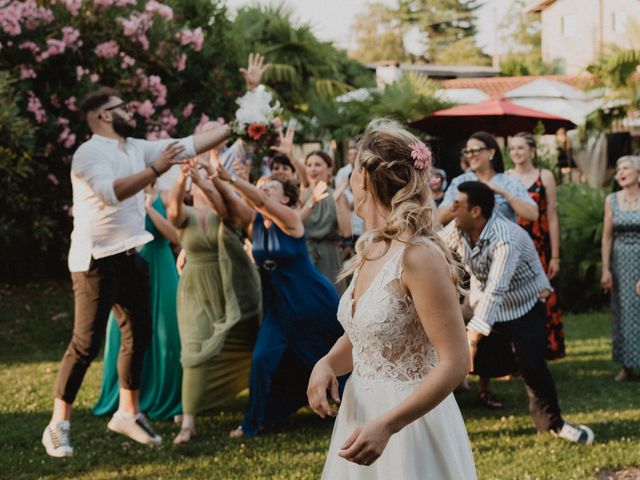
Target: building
576 32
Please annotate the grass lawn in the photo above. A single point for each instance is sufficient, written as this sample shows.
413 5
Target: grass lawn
35 322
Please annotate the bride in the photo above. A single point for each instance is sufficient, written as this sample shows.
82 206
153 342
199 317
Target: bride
405 342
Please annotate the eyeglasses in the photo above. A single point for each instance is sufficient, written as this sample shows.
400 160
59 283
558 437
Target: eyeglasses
124 106
472 152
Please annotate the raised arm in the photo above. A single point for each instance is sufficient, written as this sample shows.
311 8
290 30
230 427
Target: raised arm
607 242
176 211
343 210
285 147
210 191
239 211
518 198
285 217
318 193
167 230
425 276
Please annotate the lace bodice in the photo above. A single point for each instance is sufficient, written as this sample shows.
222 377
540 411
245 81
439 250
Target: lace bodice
389 341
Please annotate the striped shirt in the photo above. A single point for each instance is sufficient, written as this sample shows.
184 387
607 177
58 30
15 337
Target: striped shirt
509 184
506 268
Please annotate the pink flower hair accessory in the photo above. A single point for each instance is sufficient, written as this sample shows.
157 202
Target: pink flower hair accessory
421 155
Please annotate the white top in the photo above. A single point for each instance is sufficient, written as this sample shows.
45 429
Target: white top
103 225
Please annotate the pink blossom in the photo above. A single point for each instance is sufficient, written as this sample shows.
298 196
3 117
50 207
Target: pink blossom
62 121
56 47
53 179
145 109
421 155
26 72
193 37
127 61
73 6
70 36
181 63
94 77
35 106
117 3
29 45
66 138
70 141
28 13
108 49
158 89
71 105
136 26
81 72
163 10
187 110
55 102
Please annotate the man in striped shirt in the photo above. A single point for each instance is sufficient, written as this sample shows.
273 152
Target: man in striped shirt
503 261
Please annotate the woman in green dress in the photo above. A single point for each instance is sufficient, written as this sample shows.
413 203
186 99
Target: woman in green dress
161 372
218 296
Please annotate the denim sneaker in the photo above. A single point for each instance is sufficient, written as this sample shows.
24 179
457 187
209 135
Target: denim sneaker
135 427
575 433
56 439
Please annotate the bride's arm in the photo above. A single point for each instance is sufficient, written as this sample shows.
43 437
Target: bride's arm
336 363
426 275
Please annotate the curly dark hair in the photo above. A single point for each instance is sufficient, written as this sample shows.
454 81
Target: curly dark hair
96 99
290 189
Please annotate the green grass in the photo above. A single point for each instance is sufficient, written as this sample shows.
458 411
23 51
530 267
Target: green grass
34 333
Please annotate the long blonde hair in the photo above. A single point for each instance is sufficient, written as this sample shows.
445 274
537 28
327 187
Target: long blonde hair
384 152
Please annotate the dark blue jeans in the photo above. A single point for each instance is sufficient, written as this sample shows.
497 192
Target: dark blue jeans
528 338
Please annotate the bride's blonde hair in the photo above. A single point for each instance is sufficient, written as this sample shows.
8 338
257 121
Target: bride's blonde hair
395 183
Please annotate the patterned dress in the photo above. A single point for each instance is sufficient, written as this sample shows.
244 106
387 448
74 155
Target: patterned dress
625 269
539 233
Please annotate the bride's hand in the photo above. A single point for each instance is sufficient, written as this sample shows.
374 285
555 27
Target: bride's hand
366 443
322 379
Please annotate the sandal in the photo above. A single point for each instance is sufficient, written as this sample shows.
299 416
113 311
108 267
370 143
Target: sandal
236 434
185 436
489 400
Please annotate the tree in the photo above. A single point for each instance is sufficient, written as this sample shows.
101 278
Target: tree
446 28
521 31
449 27
174 64
379 35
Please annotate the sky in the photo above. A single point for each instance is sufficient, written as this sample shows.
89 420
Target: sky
331 19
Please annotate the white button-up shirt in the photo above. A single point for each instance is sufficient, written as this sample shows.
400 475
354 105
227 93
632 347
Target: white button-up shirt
103 225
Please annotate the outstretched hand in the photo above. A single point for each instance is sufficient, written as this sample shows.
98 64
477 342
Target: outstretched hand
169 157
254 71
285 144
319 192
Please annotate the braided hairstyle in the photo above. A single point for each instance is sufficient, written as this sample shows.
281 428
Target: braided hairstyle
384 152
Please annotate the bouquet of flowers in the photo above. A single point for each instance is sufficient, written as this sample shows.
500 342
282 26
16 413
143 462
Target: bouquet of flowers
257 124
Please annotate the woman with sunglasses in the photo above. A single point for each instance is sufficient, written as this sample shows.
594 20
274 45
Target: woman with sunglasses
494 357
486 165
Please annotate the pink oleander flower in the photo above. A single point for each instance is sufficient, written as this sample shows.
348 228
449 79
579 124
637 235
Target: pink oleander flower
35 106
187 110
108 49
145 109
53 179
193 37
157 89
62 121
31 46
73 6
164 11
421 155
27 72
71 36
56 47
126 60
81 72
181 63
94 77
71 104
55 103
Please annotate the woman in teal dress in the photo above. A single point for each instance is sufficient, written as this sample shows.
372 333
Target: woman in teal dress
161 372
218 297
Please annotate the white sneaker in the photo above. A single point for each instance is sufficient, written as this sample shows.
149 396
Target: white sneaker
575 433
56 439
135 427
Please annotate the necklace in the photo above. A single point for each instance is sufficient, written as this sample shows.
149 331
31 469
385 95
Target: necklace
630 203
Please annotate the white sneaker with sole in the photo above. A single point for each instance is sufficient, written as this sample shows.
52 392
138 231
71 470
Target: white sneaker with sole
575 433
56 439
135 427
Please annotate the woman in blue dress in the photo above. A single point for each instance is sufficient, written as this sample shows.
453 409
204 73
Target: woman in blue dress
299 303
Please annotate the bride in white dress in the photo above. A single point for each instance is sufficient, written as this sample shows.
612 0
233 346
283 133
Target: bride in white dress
404 343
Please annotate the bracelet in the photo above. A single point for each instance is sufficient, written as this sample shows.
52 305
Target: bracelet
155 170
555 258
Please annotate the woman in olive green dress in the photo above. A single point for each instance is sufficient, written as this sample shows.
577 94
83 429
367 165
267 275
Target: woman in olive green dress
218 297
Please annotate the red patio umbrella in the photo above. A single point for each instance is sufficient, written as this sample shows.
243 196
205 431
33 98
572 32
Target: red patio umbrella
497 116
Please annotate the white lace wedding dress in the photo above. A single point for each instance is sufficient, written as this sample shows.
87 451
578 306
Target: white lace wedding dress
391 356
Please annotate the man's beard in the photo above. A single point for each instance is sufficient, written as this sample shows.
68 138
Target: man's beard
122 127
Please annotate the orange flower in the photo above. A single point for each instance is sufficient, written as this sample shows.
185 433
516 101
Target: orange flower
256 130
